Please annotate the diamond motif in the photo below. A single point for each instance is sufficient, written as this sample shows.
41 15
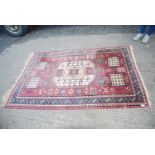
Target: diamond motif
74 73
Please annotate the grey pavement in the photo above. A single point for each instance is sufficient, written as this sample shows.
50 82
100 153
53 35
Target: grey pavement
14 51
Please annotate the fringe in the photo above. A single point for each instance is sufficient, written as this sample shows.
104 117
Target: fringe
140 76
7 94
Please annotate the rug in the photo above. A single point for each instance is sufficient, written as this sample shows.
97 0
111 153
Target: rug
80 79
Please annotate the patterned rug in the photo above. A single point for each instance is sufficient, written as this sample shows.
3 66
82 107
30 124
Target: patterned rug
80 79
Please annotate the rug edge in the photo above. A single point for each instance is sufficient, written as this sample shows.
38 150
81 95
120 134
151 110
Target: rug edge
8 92
140 75
38 107
131 49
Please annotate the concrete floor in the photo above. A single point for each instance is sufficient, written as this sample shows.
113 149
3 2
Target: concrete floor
13 52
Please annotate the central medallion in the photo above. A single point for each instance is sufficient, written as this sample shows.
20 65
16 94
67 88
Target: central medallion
74 73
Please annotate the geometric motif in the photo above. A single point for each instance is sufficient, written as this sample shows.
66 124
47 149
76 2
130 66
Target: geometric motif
89 78
33 83
114 61
117 79
73 73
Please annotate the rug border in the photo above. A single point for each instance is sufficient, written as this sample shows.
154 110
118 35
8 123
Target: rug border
6 96
140 76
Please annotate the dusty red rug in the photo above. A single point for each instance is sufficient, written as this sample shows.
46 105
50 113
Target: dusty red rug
80 79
